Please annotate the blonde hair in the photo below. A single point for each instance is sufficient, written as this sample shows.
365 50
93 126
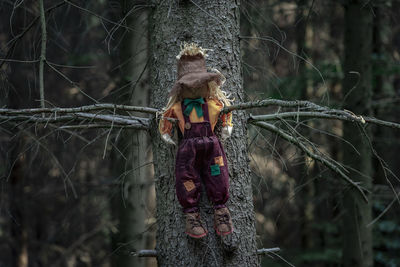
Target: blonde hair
192 49
216 92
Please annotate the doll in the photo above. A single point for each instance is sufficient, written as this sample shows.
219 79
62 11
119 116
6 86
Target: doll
195 101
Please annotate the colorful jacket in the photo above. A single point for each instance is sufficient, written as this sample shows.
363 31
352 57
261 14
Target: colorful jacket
175 112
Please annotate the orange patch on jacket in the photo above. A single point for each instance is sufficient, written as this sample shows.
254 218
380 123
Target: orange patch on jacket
220 161
189 185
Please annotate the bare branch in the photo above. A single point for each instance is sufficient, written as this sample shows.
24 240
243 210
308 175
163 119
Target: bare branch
117 120
323 160
88 108
276 102
42 53
94 126
72 82
97 15
153 252
313 111
298 114
318 112
344 116
88 120
14 41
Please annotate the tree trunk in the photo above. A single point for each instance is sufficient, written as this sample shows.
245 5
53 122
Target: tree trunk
383 91
213 25
19 231
357 237
305 197
129 162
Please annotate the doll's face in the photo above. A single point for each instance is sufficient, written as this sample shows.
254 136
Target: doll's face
193 93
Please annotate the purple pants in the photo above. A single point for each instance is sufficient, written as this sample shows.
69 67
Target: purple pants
201 156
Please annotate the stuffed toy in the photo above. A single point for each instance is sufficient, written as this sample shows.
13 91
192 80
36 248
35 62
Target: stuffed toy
195 102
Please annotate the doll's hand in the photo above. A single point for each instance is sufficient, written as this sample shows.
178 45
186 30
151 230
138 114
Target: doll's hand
167 138
226 132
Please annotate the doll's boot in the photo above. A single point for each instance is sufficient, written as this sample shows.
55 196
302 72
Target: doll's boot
194 226
223 221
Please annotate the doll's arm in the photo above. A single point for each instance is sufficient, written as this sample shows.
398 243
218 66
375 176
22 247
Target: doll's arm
165 126
226 132
227 125
226 119
167 138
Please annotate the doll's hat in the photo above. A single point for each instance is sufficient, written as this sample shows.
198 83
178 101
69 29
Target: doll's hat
192 71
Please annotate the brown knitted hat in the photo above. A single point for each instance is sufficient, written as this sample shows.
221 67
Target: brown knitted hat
192 71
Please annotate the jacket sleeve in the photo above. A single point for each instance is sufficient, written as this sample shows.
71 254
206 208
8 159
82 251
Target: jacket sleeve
165 125
226 118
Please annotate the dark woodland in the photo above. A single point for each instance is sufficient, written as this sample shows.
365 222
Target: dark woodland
86 181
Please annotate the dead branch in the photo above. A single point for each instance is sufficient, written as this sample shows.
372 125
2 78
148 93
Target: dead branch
98 16
89 108
305 109
86 118
274 102
346 116
153 252
42 52
314 111
14 41
334 167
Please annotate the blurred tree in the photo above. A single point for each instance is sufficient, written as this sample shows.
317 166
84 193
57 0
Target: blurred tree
53 189
357 91
130 159
384 91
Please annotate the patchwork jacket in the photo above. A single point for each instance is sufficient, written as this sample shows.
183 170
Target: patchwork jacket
175 112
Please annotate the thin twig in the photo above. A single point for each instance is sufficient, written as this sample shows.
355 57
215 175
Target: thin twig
97 15
72 82
270 39
19 61
14 41
108 136
382 213
42 53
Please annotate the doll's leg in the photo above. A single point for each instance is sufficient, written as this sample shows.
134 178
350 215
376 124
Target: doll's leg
215 174
187 177
188 188
217 183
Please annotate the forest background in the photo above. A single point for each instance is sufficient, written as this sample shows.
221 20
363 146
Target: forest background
75 196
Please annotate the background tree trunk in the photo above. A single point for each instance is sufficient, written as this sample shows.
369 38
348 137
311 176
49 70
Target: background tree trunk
383 91
357 90
213 25
305 197
129 161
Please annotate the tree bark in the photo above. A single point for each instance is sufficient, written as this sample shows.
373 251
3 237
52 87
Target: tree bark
213 25
357 90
